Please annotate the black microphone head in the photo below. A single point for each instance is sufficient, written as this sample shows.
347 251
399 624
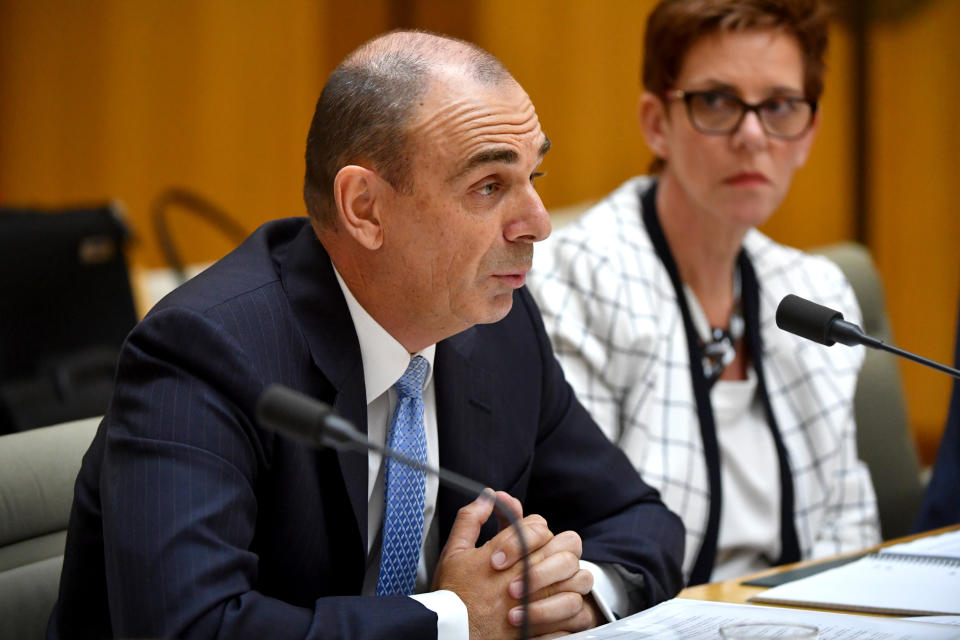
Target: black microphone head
291 413
807 319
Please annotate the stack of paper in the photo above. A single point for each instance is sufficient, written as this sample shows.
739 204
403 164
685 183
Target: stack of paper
914 578
683 619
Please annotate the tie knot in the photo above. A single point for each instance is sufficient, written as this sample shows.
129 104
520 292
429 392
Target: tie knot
411 382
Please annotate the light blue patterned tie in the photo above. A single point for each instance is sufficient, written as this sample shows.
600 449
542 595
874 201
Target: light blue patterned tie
405 487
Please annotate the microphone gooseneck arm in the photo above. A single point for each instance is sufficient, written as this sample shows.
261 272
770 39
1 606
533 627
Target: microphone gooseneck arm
307 420
825 325
933 364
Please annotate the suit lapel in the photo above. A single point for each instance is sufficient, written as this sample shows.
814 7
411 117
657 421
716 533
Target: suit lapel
465 392
322 314
465 424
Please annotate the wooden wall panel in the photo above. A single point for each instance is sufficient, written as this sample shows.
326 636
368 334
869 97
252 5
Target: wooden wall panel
350 24
50 87
119 99
124 99
916 196
579 62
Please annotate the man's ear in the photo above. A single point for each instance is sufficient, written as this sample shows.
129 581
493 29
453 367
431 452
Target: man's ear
355 190
652 116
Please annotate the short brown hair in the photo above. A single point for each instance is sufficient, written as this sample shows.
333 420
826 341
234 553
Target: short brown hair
364 109
674 26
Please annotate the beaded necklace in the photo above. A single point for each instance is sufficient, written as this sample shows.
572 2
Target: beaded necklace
717 344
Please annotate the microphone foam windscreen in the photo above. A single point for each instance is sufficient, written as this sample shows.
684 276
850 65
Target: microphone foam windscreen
806 319
290 412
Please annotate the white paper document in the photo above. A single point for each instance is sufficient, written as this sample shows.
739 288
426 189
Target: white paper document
944 545
914 578
951 620
684 619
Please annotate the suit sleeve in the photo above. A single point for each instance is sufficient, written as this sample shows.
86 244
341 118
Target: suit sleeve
180 500
583 482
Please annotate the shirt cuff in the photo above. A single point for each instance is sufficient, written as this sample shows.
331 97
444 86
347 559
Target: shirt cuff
452 620
609 590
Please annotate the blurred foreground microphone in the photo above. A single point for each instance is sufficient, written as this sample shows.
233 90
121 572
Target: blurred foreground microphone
825 325
302 418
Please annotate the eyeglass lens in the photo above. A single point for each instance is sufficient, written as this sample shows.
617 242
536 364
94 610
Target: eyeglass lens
721 113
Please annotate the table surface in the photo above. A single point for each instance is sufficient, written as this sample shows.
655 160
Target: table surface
733 591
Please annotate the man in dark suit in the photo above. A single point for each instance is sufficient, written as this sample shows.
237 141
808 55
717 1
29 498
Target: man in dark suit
191 521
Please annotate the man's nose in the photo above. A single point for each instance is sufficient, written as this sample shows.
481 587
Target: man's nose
531 222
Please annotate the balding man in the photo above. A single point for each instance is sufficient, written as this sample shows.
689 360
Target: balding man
400 303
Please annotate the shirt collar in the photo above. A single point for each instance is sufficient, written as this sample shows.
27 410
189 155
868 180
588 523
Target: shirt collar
384 359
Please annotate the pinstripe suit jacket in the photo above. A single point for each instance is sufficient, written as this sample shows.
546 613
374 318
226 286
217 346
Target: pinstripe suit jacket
191 521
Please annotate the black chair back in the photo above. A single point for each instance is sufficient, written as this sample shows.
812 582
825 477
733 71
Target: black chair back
66 305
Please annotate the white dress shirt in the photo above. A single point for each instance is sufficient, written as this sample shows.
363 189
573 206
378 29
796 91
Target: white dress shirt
384 362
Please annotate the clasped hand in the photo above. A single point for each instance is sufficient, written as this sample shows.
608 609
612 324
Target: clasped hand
489 579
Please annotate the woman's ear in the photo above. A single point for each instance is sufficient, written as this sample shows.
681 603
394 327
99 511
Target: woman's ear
355 191
652 116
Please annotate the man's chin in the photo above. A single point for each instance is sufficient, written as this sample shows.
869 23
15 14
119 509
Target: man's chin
495 309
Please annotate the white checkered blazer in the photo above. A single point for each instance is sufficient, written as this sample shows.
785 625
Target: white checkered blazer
612 314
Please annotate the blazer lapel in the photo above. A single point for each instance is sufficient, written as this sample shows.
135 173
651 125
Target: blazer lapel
465 425
322 314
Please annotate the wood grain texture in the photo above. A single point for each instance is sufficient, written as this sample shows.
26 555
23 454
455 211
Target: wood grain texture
915 190
119 99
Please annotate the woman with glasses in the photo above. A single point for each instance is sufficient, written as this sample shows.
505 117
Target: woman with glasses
661 299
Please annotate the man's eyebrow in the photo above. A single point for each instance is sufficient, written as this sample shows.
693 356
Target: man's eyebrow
504 156
545 146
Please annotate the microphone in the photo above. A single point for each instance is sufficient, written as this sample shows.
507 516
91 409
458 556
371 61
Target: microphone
307 420
821 324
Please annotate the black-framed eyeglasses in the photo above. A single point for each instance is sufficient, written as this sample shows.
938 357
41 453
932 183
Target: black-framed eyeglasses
720 113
